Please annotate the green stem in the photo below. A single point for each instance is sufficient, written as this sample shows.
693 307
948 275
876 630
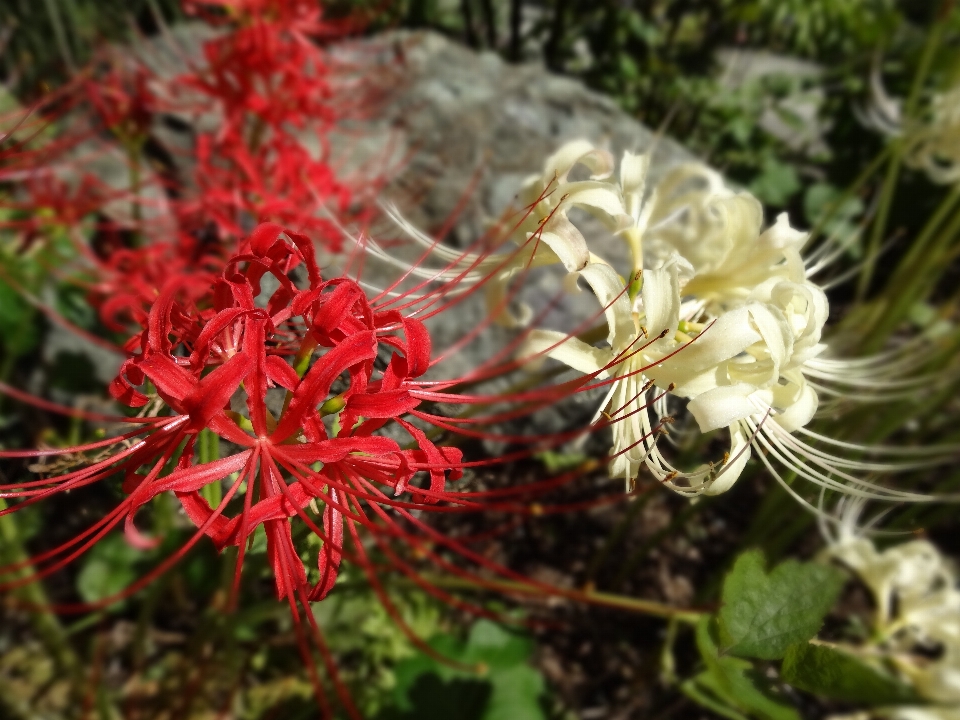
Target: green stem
593 597
918 274
134 147
208 450
60 34
834 207
879 226
893 170
45 623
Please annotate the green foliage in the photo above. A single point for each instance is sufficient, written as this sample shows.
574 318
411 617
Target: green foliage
812 27
776 183
764 613
838 675
18 323
361 631
53 37
490 681
732 687
108 568
556 462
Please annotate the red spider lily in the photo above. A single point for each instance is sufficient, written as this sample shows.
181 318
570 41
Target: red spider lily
197 355
265 371
277 182
129 280
269 66
123 100
267 78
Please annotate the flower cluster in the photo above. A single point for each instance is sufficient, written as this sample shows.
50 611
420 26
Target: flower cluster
288 379
916 625
932 141
268 79
715 312
258 107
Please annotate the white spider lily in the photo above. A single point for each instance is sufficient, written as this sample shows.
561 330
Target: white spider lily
930 143
917 600
717 311
726 318
645 361
934 146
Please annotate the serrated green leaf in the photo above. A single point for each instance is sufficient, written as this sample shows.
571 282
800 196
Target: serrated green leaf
838 675
734 683
764 613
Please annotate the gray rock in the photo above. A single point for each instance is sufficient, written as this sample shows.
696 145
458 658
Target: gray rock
462 117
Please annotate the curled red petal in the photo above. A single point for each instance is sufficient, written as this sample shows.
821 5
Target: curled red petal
280 372
173 383
263 237
316 383
331 553
122 389
215 390
335 449
385 404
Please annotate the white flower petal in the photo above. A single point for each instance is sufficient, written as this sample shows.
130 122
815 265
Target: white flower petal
558 165
736 462
800 411
567 243
612 295
571 351
722 406
597 197
661 300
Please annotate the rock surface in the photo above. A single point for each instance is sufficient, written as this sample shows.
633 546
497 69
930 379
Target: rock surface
462 117
457 133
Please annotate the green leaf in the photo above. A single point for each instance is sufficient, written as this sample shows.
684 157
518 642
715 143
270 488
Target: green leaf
18 322
776 183
495 646
500 658
734 684
516 694
838 675
108 569
556 462
763 614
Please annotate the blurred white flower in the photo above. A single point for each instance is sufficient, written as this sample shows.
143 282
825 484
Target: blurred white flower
916 624
931 142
